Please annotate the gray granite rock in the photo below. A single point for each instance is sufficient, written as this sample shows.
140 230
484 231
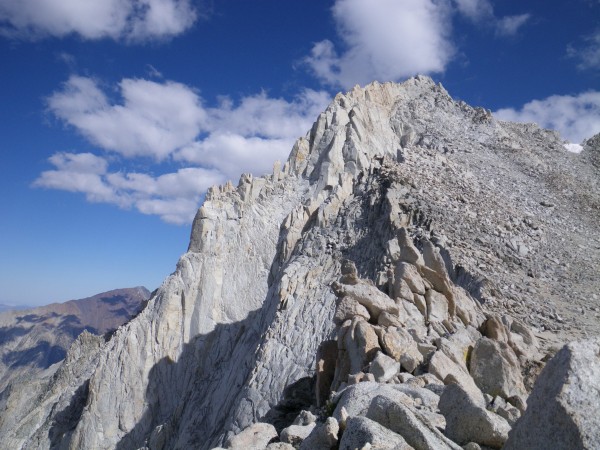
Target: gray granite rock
361 431
563 410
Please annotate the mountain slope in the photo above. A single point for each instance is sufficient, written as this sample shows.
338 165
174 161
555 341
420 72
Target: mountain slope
231 337
33 340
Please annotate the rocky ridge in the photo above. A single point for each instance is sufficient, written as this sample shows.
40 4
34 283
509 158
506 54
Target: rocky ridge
244 331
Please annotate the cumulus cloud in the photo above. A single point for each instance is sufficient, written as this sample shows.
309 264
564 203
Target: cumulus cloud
254 133
575 117
172 196
385 40
168 122
153 119
388 40
588 55
132 20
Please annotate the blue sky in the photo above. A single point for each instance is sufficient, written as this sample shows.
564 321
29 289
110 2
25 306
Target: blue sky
116 116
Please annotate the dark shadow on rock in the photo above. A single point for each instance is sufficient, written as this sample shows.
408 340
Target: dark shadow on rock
8 334
296 397
65 421
43 355
114 299
204 383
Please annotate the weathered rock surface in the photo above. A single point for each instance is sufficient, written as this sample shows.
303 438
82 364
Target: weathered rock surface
467 420
255 437
562 410
361 431
405 183
496 369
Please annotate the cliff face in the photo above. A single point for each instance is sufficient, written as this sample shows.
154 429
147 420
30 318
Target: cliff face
231 337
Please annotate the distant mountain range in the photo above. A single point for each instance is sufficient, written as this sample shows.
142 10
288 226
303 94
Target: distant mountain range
4 308
33 340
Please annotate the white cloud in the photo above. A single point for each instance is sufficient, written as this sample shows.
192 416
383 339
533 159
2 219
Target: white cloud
588 55
168 122
475 9
575 117
172 196
132 20
510 25
385 40
254 133
482 12
153 120
388 40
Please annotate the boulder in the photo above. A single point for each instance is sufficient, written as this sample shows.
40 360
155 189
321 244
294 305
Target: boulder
361 431
563 410
416 430
347 308
443 367
327 354
255 437
400 289
410 274
408 252
400 345
369 296
467 420
295 434
437 306
280 446
323 436
384 368
389 320
496 369
355 399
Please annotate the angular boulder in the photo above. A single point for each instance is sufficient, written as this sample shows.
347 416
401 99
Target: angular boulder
467 420
496 369
563 410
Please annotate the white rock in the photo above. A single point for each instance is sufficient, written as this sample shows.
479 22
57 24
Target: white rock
384 368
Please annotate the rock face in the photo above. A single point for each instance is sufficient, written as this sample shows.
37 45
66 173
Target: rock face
562 411
33 341
400 224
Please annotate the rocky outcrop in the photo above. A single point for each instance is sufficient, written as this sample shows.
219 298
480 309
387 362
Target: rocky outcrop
450 218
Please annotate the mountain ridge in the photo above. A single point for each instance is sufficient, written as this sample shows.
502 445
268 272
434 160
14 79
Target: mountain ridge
231 337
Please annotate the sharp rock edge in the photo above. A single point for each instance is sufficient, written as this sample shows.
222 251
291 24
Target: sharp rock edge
409 236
